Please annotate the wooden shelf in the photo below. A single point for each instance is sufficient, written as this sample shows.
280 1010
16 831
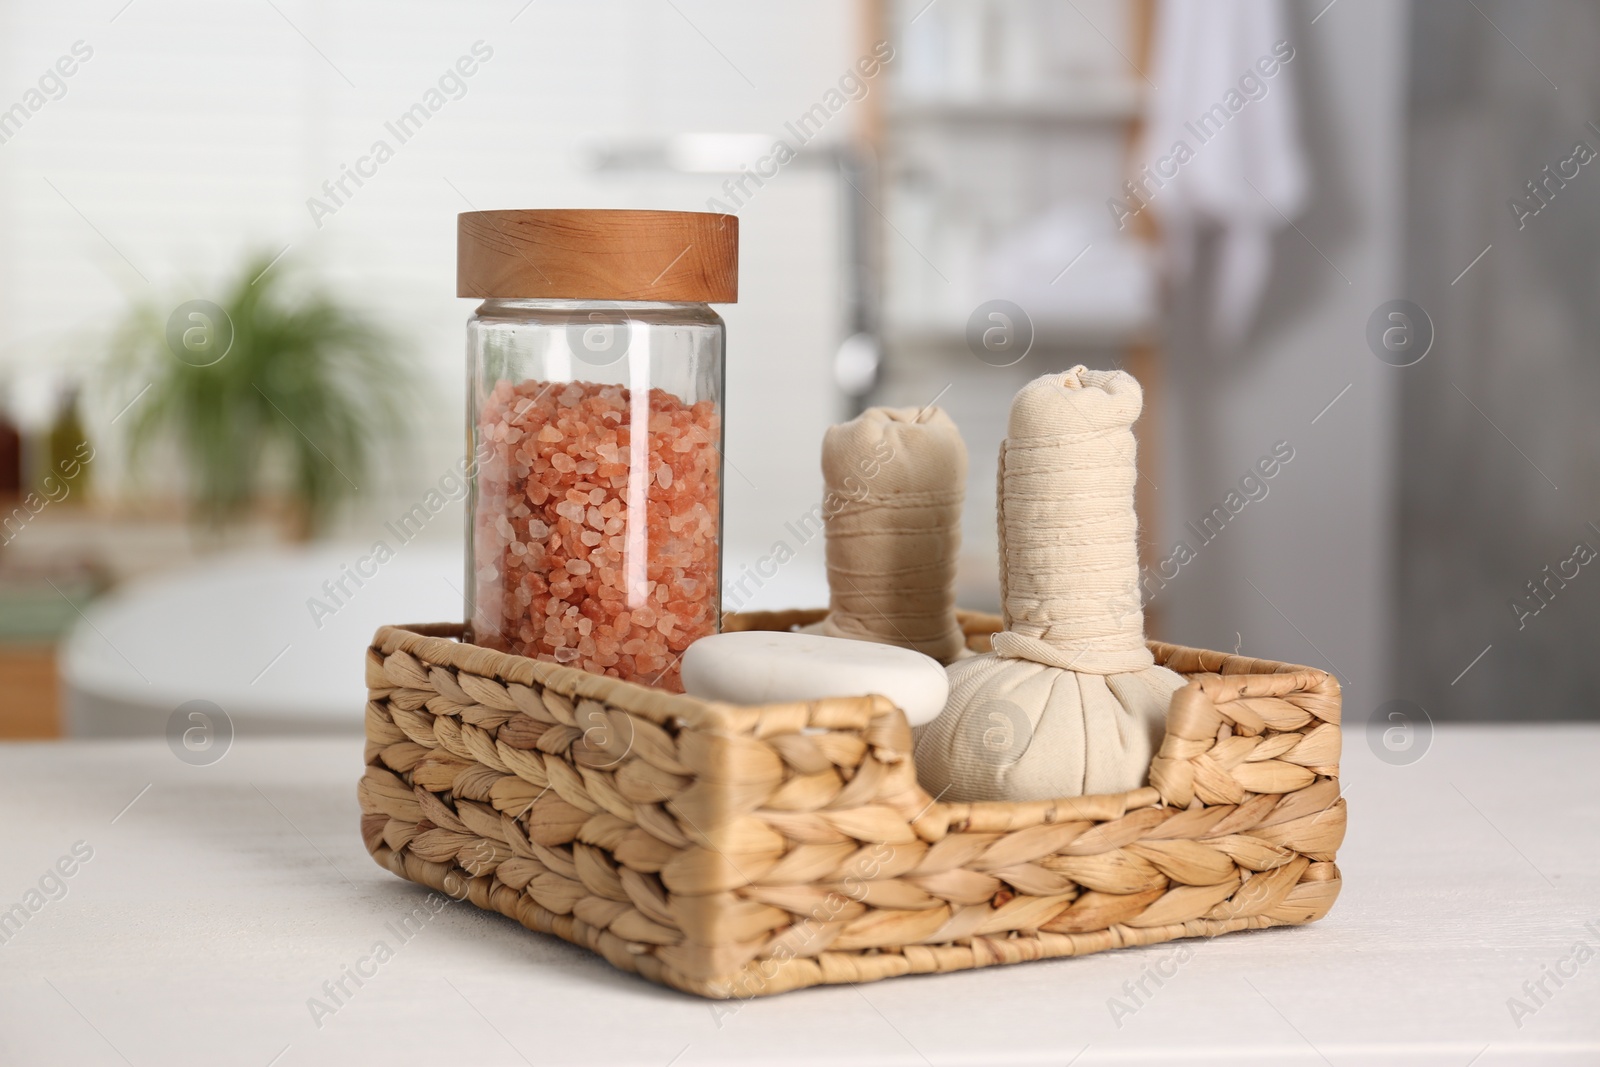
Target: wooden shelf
1098 103
1031 147
1084 334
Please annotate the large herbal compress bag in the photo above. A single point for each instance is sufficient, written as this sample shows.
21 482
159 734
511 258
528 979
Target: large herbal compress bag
1070 702
895 480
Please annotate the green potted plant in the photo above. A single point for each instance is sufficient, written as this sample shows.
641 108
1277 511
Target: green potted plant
273 375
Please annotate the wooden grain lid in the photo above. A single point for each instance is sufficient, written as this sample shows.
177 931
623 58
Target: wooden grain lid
683 256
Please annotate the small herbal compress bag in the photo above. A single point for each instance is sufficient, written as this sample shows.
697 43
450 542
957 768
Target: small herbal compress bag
1070 702
895 481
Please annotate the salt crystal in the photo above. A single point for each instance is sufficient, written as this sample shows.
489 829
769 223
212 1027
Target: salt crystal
562 472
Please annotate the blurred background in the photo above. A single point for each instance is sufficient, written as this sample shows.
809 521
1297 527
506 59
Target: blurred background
1352 242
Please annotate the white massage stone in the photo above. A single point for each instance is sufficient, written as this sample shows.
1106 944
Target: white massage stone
774 667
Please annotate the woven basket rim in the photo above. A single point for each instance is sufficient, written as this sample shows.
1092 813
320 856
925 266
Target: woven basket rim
1220 676
447 643
443 637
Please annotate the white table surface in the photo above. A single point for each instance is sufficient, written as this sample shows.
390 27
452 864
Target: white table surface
218 903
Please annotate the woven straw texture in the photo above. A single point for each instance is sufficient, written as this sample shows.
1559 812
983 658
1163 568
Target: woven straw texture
742 851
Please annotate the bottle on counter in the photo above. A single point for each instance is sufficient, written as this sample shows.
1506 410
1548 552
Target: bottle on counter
595 392
11 451
66 450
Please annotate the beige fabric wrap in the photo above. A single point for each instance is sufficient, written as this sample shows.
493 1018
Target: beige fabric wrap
1070 702
895 480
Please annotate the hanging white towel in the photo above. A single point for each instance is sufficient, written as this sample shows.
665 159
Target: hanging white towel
1247 175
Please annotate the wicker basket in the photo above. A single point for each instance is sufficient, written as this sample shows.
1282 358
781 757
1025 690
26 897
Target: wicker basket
741 851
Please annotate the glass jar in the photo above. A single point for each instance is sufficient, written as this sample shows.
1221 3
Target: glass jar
594 393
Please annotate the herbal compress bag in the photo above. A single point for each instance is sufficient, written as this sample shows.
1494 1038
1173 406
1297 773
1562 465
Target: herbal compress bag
1070 702
895 481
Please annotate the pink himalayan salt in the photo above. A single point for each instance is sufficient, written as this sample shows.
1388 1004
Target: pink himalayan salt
552 529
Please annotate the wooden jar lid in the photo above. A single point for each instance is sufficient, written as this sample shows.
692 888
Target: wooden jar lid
680 256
